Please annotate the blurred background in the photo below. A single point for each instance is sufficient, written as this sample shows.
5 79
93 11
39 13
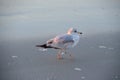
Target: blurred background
23 19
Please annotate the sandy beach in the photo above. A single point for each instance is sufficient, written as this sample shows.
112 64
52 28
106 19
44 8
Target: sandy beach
95 58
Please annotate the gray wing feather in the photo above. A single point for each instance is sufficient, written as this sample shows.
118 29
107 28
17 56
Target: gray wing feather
65 39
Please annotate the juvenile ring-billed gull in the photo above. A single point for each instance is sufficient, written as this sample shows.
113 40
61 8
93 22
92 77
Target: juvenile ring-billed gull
63 42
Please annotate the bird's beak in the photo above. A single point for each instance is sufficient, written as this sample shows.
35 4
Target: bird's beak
79 32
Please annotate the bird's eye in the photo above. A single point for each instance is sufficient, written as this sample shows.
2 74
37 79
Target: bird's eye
75 31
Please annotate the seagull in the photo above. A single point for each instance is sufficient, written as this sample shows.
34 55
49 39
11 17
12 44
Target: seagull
63 42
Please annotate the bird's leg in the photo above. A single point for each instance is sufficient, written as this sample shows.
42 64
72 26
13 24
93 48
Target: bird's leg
59 55
64 49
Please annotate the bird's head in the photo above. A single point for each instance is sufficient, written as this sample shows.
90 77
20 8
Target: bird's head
73 31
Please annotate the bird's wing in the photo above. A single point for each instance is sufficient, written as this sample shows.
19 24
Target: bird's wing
64 39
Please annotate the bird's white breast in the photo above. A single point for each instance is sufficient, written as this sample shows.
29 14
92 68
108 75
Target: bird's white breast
76 38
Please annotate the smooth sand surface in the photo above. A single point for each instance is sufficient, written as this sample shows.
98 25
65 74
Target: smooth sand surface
95 58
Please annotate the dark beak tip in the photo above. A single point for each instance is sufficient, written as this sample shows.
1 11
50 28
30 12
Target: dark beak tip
81 33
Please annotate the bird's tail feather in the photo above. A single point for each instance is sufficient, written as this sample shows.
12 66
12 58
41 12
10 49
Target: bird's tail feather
45 46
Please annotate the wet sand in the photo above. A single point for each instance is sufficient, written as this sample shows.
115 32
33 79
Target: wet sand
95 58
